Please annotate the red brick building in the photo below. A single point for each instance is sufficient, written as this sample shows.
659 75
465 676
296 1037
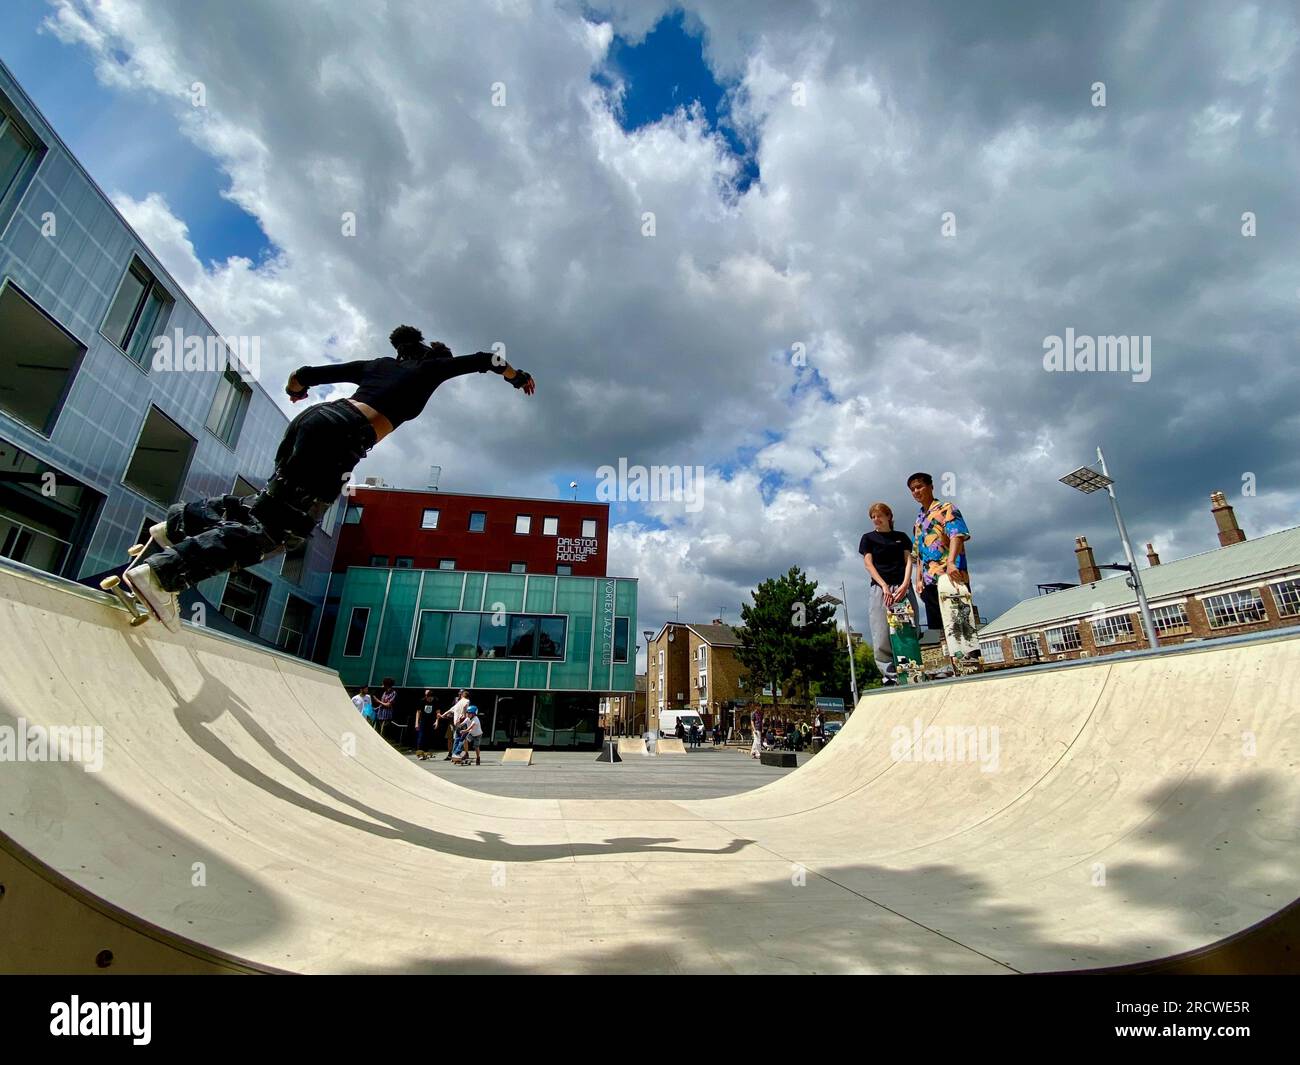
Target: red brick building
405 529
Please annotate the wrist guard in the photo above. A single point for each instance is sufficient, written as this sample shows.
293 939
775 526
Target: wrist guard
521 378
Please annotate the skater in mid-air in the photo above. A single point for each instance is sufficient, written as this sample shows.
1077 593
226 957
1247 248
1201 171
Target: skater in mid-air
320 449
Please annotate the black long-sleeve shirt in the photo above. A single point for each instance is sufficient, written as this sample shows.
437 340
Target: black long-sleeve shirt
396 389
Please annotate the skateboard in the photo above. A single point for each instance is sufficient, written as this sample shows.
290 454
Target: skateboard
137 607
960 637
904 643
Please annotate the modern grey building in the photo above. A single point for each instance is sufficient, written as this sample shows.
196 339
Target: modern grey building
97 434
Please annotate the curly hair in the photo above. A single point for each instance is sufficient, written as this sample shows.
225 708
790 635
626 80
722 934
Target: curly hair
404 335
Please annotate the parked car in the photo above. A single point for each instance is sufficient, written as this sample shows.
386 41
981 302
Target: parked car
832 729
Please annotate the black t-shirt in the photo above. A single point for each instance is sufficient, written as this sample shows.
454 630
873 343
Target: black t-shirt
398 389
889 551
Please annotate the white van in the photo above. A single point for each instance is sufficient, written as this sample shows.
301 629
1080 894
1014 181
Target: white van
668 721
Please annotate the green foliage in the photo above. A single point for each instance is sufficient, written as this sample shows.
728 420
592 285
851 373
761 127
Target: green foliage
786 639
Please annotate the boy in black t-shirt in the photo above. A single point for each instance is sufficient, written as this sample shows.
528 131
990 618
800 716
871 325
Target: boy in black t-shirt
887 558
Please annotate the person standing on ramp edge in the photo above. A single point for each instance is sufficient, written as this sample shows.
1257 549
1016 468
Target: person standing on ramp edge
320 449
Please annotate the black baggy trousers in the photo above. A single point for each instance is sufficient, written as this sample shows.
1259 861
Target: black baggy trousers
320 449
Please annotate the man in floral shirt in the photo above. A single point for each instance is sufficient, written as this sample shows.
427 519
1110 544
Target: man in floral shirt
939 546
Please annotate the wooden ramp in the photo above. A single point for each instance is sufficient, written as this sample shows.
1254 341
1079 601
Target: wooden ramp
243 818
629 745
669 745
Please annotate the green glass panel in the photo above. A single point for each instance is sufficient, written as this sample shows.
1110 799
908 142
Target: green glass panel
532 675
462 672
395 639
541 590
494 675
506 589
441 590
431 638
429 674
473 591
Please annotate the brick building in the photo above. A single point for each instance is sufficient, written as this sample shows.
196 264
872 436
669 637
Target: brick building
693 665
1243 586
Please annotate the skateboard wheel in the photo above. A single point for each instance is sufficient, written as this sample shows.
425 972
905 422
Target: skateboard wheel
109 583
138 621
134 550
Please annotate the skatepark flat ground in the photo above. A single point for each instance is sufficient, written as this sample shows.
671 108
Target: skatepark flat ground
1109 813
703 774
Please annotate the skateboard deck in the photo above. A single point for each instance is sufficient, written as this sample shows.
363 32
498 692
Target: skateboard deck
960 637
904 642
137 607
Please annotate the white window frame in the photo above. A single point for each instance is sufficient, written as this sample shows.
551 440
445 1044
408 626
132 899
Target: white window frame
1164 625
527 521
424 518
1016 645
1236 597
550 526
991 651
1288 602
1063 647
1114 629
594 525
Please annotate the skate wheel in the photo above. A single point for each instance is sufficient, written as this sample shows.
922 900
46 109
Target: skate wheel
135 550
138 621
109 583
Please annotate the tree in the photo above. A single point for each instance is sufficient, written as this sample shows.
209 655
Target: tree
838 682
787 639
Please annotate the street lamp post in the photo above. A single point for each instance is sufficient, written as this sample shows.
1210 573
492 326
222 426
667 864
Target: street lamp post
848 638
1087 481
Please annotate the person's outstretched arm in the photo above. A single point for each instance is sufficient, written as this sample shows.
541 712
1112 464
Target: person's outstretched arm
334 373
481 362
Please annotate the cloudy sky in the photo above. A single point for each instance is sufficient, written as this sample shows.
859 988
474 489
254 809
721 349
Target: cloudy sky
867 220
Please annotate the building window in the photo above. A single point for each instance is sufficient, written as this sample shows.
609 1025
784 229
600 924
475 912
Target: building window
353 514
589 528
244 599
379 560
161 457
462 636
293 625
1026 645
550 526
446 563
564 570
518 567
491 636
523 523
138 312
1235 608
331 516
1286 594
294 564
358 622
622 628
1065 638
477 520
404 562
20 155
523 637
550 637
429 519
431 636
229 406
37 361
35 528
1170 620
1114 630
991 651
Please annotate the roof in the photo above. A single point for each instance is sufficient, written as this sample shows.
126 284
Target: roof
1220 567
434 493
713 635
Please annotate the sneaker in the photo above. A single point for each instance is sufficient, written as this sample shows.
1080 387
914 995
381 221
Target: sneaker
163 604
159 534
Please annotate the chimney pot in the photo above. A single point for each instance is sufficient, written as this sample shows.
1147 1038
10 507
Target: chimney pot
1226 519
1152 558
1088 571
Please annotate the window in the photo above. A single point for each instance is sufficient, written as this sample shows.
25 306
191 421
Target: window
462 637
353 514
589 528
550 637
446 563
492 637
702 669
429 519
161 457
38 529
138 312
1026 645
564 570
431 636
523 523
991 651
244 599
293 625
1286 594
229 406
1235 608
550 526
294 564
379 560
404 562
523 636
358 622
1066 638
1170 620
37 361
518 567
1114 630
20 154
477 520
621 630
